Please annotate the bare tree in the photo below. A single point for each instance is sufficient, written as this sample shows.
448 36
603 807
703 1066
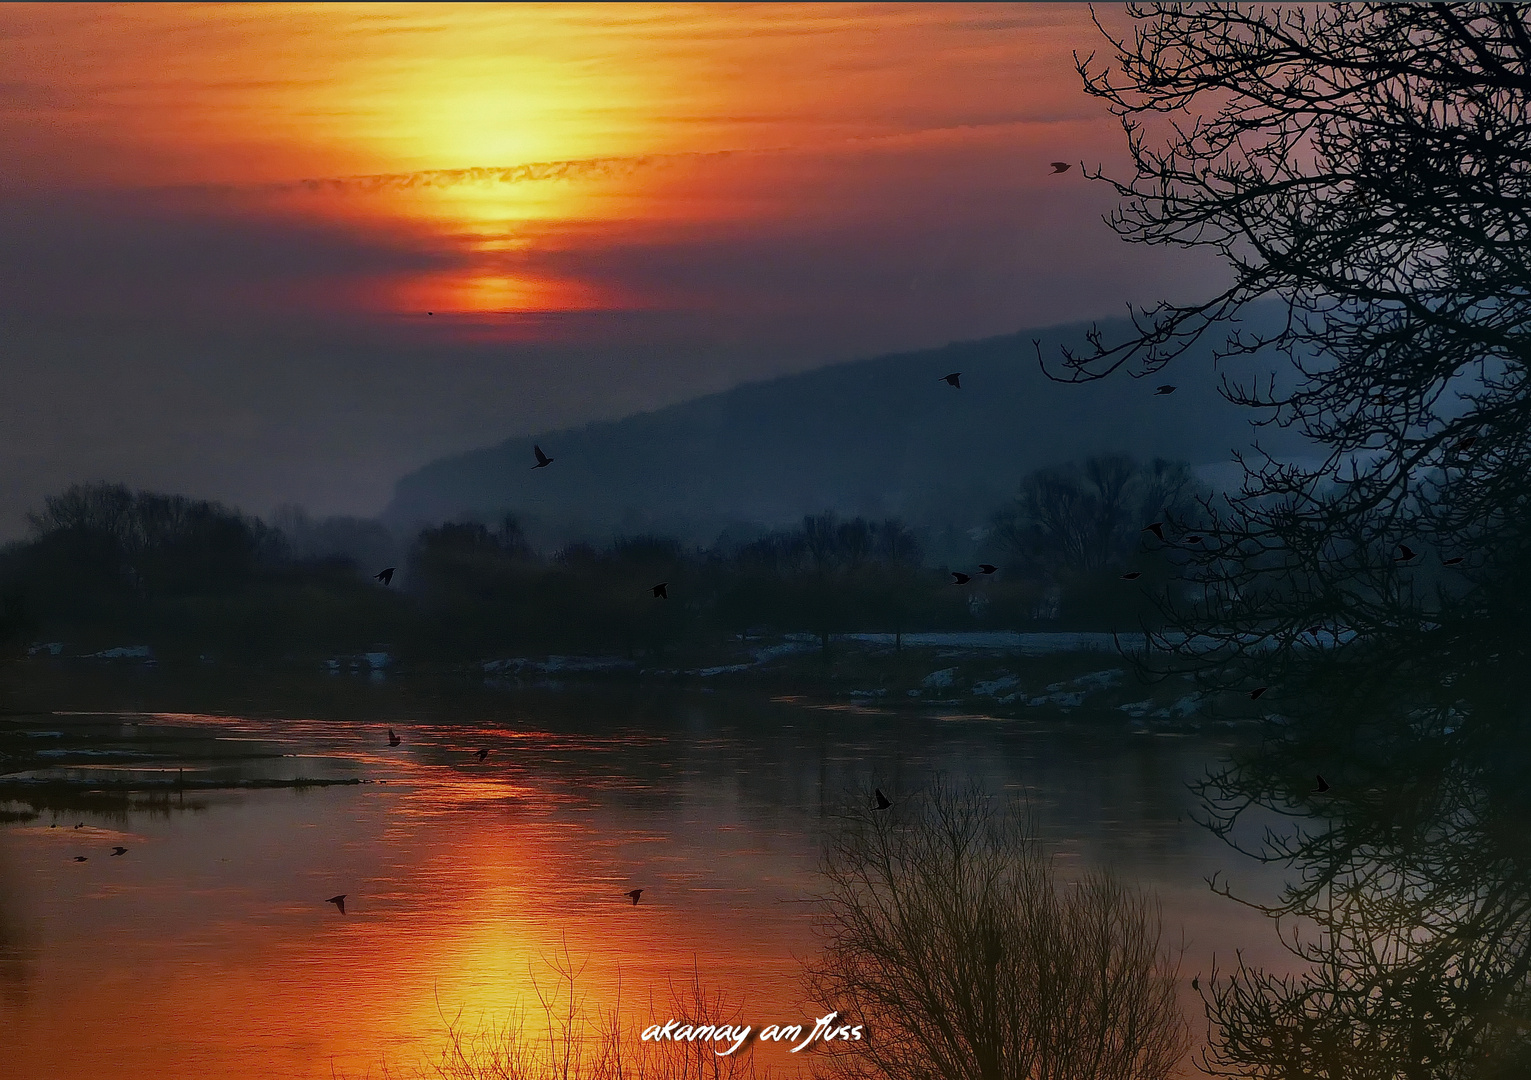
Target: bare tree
949 938
1089 515
1367 168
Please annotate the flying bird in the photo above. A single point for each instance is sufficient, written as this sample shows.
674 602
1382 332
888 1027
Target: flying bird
987 568
961 579
1157 528
882 800
1060 166
482 754
662 591
543 461
393 740
385 575
1132 575
1405 553
1323 785
119 851
1167 388
634 894
1195 984
338 901
1257 693
1455 560
80 858
954 379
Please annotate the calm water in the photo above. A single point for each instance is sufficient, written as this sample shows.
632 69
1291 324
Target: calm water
208 950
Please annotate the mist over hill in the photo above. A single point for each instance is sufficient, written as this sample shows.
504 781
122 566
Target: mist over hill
881 437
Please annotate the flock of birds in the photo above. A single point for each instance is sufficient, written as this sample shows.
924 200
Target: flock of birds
660 591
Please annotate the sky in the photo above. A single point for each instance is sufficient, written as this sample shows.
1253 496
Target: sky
287 253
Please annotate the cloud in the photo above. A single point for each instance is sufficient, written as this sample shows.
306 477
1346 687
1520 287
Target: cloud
578 169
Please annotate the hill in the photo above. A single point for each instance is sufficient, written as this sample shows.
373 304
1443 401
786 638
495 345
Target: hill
878 437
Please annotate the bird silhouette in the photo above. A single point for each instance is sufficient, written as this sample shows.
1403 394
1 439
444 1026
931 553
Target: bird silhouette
482 754
430 313
543 461
882 800
662 591
1195 984
385 575
1257 693
119 850
1060 166
1167 388
634 894
393 740
1323 785
339 901
1455 560
986 568
960 579
1157 528
1132 575
1405 553
953 380
80 858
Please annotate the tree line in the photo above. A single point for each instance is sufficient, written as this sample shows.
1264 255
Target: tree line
105 563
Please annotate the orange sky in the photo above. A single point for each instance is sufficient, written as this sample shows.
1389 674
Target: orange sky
638 121
222 228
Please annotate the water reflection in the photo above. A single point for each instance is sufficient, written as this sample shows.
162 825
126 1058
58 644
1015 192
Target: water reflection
1410 905
208 949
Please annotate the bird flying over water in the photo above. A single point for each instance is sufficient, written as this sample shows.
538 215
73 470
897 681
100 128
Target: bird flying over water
482 754
385 575
960 579
634 894
986 568
543 461
662 591
1167 388
393 740
882 800
119 850
1060 166
954 379
1323 785
339 901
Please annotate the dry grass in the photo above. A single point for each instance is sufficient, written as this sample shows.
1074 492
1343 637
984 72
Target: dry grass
950 939
561 1036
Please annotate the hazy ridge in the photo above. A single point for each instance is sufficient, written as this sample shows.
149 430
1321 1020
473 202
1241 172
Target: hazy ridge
877 437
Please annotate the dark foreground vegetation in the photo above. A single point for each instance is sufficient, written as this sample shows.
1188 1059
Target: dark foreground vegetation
107 567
